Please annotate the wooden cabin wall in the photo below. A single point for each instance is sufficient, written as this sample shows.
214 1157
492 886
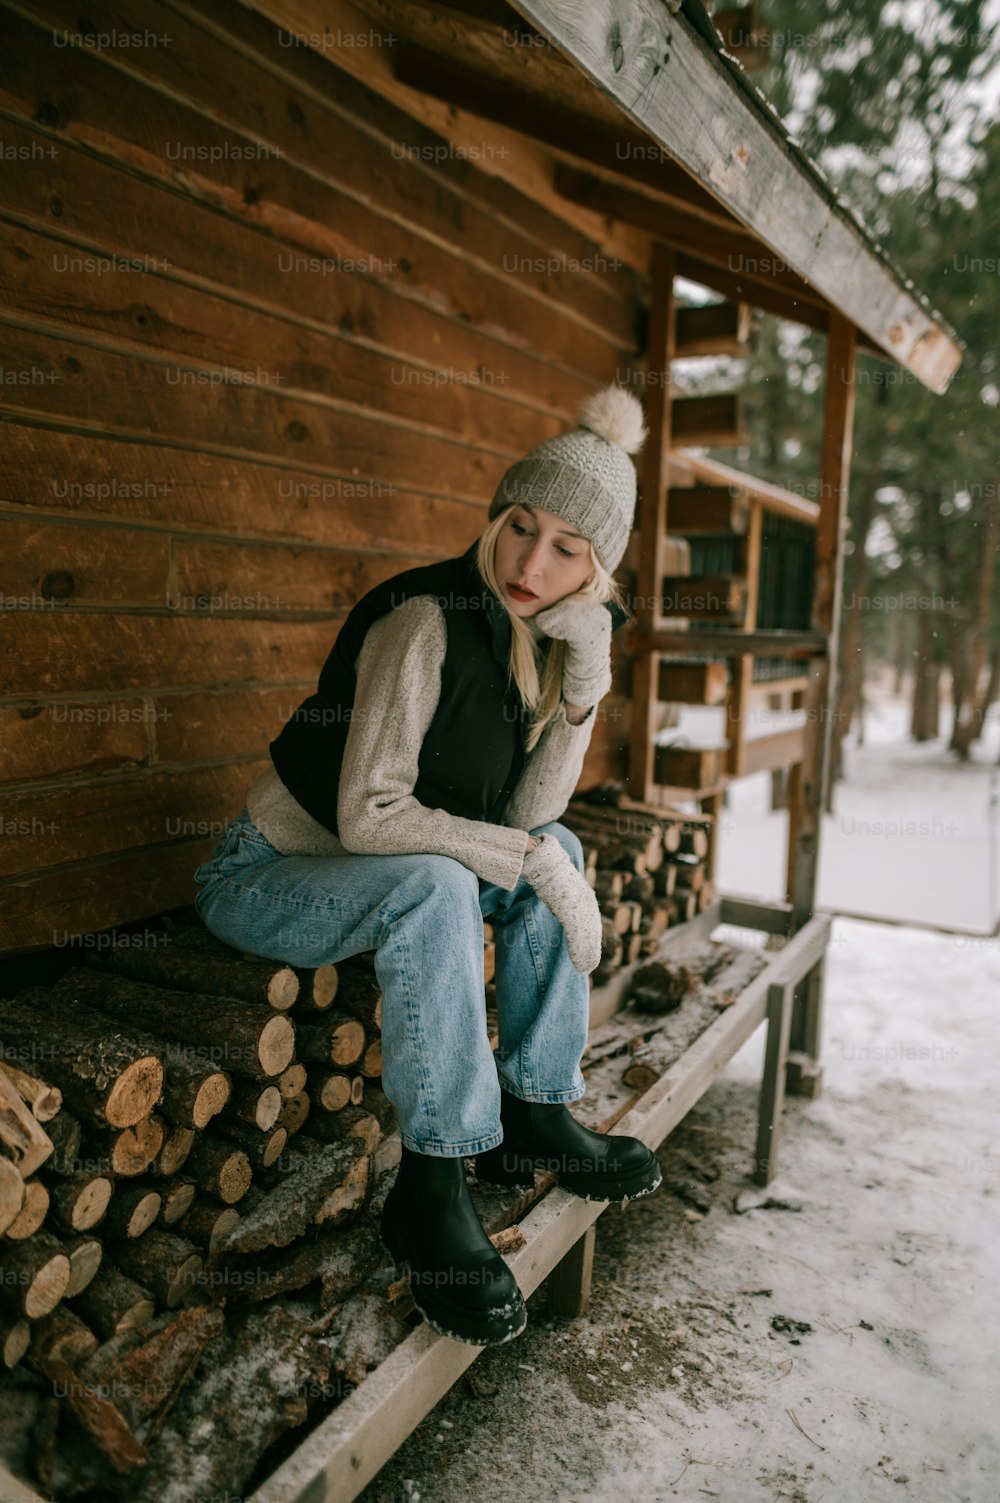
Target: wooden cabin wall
263 346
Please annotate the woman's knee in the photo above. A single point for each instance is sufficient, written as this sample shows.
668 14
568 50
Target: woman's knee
448 878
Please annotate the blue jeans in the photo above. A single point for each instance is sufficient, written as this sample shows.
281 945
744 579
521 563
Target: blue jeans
422 915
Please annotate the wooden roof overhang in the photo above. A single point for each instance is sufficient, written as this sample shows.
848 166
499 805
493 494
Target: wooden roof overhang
671 138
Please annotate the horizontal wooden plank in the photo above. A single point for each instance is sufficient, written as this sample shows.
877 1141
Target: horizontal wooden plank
711 422
240 723
713 329
346 135
50 827
766 753
53 564
50 740
47 564
91 476
770 644
255 579
54 284
107 392
58 907
105 214
707 598
693 683
45 653
774 498
244 172
695 511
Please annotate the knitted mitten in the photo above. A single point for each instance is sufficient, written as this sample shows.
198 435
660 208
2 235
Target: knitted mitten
570 897
584 623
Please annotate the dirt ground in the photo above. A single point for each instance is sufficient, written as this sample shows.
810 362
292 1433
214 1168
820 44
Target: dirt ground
838 1344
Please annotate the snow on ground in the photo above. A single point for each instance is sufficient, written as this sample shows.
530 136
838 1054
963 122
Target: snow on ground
840 1352
915 834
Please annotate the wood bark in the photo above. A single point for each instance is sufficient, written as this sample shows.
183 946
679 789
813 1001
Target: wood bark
359 994
248 1390
207 1223
203 972
132 1210
338 1039
123 1152
163 1262
63 1335
254 1104
113 1302
249 1040
11 1193
221 1168
295 1113
36 1275
43 1098
79 1201
318 1183
261 1148
349 1122
66 1133
106 1075
34 1209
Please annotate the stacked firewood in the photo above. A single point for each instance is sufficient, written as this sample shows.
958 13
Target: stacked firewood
185 1132
648 867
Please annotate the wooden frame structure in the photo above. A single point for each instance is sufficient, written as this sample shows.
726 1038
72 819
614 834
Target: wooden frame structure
621 128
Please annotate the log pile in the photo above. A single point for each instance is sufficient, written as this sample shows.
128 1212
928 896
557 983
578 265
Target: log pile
649 868
187 1142
186 1133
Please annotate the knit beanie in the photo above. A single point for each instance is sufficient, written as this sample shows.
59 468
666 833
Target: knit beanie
586 476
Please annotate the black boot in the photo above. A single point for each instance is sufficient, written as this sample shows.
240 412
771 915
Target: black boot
459 1282
544 1135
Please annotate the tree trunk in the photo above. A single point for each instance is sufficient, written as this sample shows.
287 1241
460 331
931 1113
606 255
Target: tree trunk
972 644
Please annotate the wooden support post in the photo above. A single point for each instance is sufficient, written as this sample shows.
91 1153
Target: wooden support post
742 666
772 1086
569 1282
804 1073
654 486
808 784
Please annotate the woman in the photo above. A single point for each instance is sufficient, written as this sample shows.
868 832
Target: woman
419 791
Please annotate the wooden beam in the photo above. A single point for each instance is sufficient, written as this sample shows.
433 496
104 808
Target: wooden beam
711 422
707 510
775 498
742 666
693 683
670 83
764 753
713 329
726 246
628 153
807 790
723 643
654 486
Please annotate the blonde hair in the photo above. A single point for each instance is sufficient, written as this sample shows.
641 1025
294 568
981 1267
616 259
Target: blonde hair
542 696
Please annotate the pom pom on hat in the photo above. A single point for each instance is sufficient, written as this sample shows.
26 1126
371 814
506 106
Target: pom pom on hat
615 414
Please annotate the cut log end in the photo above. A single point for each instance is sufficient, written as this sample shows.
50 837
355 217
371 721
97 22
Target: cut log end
276 1045
213 1093
135 1092
283 988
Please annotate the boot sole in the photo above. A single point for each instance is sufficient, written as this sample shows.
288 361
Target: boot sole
446 1319
641 1181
